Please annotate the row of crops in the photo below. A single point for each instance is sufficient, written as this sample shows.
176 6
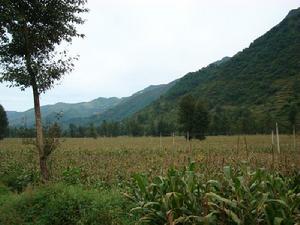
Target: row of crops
235 196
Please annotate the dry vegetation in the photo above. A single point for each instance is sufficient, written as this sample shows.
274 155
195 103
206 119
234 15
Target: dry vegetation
115 159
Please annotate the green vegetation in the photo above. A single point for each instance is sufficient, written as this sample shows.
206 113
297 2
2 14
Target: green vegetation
90 176
239 196
96 111
3 123
64 110
60 204
131 105
30 33
193 117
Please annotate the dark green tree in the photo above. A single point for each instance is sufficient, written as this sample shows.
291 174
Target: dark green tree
92 132
82 131
134 128
3 123
72 130
219 122
103 129
200 120
186 114
30 32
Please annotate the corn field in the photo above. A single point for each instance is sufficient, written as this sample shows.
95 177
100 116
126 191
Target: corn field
112 160
168 180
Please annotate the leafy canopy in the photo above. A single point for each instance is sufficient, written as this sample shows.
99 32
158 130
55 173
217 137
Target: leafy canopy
3 123
30 31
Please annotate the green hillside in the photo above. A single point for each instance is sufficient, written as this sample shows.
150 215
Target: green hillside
64 110
96 111
259 85
127 107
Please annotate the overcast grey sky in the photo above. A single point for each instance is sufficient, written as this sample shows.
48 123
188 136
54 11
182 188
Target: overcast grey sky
131 44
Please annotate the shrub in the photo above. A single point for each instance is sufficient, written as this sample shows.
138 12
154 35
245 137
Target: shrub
17 178
63 205
74 175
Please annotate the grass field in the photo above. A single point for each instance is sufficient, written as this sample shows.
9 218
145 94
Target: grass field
113 159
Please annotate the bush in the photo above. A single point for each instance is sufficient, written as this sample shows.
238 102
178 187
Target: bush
17 178
74 175
63 205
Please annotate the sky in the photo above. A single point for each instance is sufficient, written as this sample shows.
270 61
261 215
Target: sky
131 44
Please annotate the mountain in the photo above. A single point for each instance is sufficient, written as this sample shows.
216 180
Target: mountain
63 110
128 106
95 111
263 81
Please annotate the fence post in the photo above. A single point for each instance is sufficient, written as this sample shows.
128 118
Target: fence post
277 135
173 138
160 141
294 134
273 156
238 144
247 154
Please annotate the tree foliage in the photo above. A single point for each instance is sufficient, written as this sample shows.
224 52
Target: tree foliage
30 31
193 117
3 123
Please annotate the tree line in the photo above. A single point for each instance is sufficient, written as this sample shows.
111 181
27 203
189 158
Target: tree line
194 120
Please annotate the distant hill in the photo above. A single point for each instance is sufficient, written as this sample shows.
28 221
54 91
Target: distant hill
128 105
263 79
64 110
95 111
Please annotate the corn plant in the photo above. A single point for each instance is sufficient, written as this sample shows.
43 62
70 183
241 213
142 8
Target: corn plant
235 196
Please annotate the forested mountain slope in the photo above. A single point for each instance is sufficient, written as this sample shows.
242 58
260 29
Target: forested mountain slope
127 107
96 111
256 87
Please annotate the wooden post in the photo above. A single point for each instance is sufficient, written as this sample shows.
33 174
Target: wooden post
160 141
272 138
294 136
277 135
238 144
173 138
188 139
245 140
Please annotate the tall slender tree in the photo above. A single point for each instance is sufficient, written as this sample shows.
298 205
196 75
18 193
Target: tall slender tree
30 32
193 117
3 123
186 114
200 120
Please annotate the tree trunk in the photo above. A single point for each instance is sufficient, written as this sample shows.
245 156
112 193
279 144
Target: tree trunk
37 110
39 134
